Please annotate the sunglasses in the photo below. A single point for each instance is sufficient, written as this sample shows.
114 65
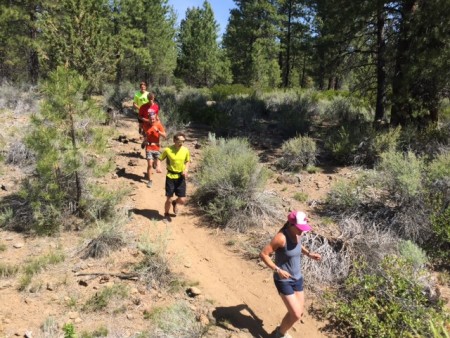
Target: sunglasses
178 140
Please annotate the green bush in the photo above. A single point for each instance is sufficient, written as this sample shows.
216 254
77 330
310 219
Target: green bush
389 302
344 110
402 174
231 183
344 195
222 92
293 112
413 254
375 143
297 153
101 300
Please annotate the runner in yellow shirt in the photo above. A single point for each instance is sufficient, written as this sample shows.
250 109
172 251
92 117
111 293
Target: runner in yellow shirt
178 159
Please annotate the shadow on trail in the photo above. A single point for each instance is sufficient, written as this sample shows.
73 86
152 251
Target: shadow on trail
148 213
130 176
241 317
132 154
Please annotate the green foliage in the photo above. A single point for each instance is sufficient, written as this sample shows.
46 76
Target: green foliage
402 173
297 153
344 143
176 320
301 196
200 61
294 112
77 35
230 184
101 299
344 195
2 247
253 25
220 92
69 330
65 137
389 302
413 254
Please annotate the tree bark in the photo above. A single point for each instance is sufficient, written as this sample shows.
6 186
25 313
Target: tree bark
401 111
381 64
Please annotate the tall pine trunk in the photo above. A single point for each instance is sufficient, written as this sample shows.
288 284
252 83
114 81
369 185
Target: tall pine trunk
381 64
401 111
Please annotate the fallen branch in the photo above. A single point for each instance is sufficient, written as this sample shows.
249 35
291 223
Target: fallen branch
129 276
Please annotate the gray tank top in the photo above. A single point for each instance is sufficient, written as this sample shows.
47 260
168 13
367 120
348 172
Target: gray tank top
289 259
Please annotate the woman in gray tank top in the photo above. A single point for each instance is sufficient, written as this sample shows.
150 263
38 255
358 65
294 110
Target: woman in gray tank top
288 276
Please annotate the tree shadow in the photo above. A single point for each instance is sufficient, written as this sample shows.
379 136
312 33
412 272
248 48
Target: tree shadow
130 176
233 315
148 213
132 154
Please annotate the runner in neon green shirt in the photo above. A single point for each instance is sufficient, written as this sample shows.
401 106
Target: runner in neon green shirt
178 159
140 98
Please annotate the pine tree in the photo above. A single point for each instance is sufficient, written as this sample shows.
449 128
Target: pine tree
250 43
64 136
78 35
200 61
19 36
145 31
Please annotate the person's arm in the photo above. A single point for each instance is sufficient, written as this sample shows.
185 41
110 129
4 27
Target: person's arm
161 131
277 242
312 255
163 155
186 165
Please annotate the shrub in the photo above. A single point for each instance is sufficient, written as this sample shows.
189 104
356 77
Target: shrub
301 196
344 195
110 238
222 92
177 320
413 254
7 270
101 299
154 268
293 112
403 174
230 186
345 110
391 301
297 153
375 143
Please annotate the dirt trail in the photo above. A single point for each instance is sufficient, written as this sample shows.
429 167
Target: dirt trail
241 290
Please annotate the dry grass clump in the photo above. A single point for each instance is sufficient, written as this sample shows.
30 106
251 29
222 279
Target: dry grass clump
358 239
154 269
110 237
176 320
19 154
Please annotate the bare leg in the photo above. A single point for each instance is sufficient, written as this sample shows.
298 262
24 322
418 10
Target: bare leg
167 205
158 166
294 304
149 169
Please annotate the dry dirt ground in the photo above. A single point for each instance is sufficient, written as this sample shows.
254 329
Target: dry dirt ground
236 289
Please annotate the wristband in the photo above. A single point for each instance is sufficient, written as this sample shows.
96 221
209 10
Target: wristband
277 269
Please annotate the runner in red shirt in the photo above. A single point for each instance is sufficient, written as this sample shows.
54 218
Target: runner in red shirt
151 107
153 133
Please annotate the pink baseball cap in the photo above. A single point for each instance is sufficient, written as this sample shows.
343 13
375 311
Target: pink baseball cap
299 219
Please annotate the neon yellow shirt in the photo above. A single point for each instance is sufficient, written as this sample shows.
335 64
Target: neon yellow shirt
176 160
140 98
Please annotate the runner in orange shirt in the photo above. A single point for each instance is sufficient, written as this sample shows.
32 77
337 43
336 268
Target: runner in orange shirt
153 133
